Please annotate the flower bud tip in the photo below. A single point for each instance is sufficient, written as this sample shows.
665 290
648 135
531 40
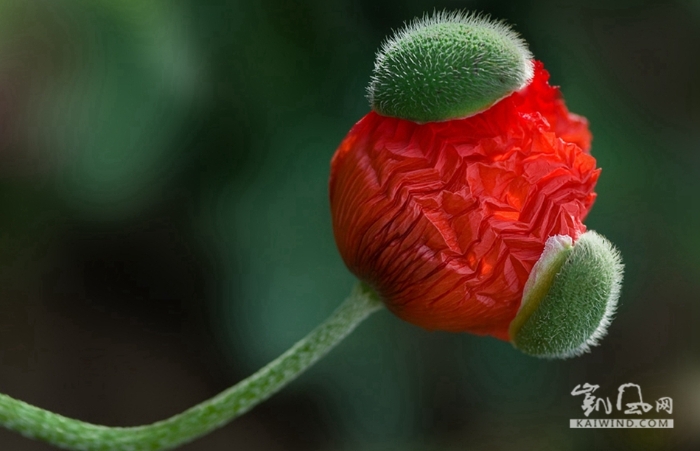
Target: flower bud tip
570 297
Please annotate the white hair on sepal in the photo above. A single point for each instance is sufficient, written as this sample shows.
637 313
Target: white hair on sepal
572 300
612 300
448 65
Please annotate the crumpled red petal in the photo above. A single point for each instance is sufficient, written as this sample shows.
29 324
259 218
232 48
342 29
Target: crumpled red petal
446 220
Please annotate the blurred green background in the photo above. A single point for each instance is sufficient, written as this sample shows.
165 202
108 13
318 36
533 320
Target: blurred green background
165 226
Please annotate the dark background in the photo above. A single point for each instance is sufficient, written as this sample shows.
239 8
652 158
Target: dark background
165 230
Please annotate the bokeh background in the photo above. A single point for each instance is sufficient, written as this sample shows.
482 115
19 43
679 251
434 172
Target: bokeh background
165 230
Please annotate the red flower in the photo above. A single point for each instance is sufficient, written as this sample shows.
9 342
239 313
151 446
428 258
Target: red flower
445 220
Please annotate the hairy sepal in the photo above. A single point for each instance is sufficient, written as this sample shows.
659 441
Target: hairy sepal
447 66
573 313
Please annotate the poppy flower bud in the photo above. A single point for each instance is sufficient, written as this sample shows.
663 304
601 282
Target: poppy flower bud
444 197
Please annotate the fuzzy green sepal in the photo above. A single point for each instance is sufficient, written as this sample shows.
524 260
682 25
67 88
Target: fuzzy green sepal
448 66
565 314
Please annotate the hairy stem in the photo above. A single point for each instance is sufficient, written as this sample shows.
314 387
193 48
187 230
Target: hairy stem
201 419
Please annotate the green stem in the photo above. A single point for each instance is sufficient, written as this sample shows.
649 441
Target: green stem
201 419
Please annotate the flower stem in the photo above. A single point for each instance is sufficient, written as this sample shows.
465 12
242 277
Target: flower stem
203 418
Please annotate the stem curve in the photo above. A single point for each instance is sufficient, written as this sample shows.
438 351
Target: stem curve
72 434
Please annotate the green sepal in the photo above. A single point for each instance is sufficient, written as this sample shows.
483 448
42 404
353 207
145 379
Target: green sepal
570 298
448 66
